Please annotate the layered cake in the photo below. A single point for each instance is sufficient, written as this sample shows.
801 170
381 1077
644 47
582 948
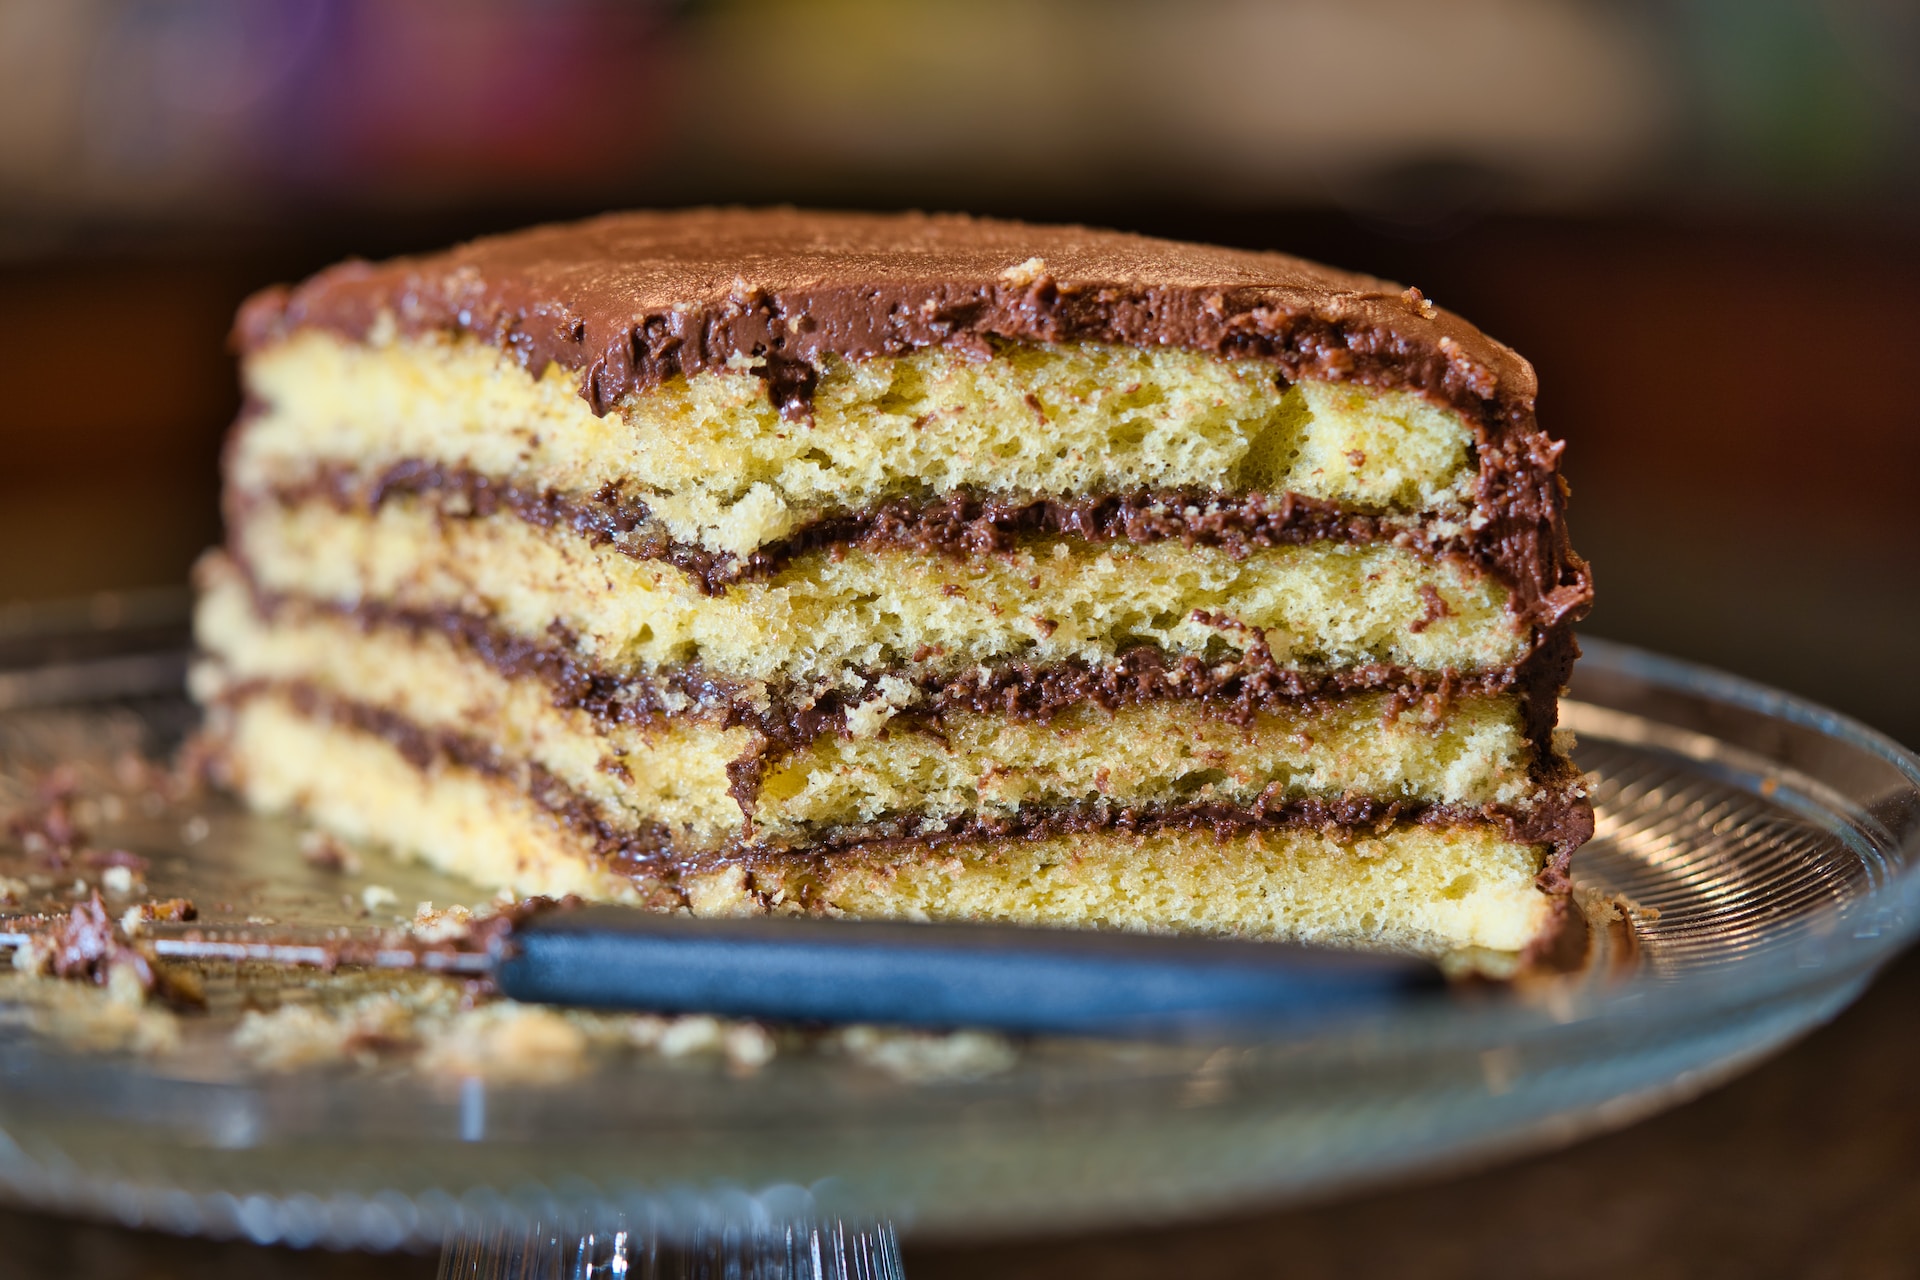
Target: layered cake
742 561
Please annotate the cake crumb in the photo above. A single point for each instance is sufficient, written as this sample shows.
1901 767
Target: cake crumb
696 1034
124 985
88 1019
298 1035
445 925
919 1055
135 919
1603 907
748 1046
1599 907
318 849
1023 275
376 896
514 1043
34 956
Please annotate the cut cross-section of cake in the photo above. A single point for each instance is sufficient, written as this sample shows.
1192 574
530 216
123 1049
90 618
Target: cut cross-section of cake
739 561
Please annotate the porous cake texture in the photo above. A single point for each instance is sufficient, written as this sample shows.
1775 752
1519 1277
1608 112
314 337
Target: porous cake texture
759 561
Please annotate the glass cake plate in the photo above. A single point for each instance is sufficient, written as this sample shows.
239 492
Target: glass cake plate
1754 866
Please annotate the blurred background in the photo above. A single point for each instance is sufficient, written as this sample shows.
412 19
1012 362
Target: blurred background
1699 218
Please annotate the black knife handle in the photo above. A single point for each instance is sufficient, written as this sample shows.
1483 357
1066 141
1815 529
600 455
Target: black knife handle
939 975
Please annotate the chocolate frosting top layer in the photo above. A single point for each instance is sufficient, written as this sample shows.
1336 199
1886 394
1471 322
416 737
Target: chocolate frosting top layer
628 299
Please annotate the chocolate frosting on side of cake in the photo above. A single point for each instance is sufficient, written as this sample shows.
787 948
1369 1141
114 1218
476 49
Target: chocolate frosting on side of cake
627 300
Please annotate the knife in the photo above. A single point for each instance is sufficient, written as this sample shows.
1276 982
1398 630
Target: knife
1008 978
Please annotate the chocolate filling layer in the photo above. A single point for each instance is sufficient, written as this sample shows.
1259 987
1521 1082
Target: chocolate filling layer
956 525
648 851
1237 688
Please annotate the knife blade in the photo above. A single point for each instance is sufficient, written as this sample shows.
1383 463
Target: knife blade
1003 977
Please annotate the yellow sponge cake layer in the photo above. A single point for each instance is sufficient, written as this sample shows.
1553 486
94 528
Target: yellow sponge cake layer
1469 754
1436 890
717 464
1045 601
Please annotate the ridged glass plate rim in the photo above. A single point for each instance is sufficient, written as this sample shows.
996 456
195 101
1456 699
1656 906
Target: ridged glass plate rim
1502 1076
